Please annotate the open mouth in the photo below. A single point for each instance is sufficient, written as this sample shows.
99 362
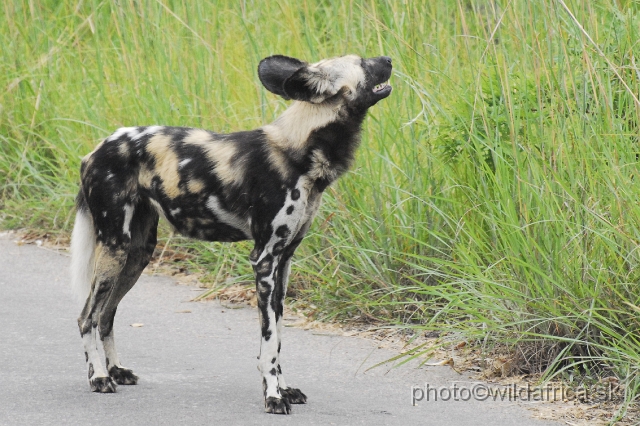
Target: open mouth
380 87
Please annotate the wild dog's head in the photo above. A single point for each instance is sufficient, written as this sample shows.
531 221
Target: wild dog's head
358 82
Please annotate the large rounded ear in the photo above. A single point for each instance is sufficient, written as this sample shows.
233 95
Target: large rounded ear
310 84
275 70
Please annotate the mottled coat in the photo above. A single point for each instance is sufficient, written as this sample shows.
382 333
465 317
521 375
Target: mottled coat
262 185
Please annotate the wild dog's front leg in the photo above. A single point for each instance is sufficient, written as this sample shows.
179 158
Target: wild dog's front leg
120 374
265 267
275 239
294 396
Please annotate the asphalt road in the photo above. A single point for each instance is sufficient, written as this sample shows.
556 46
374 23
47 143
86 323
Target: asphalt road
199 367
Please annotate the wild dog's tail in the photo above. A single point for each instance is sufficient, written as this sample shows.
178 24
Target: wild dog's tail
83 245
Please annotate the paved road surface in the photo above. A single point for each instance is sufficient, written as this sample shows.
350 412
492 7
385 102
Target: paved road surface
195 368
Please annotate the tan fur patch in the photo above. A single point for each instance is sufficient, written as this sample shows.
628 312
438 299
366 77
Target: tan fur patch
109 263
292 129
220 153
278 160
320 167
166 163
198 137
195 185
123 149
145 177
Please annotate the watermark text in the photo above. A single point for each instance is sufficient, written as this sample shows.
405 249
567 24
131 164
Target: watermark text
513 392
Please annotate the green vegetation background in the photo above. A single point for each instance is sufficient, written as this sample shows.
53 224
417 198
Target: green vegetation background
496 190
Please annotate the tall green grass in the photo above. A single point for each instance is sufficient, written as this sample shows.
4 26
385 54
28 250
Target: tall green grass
496 191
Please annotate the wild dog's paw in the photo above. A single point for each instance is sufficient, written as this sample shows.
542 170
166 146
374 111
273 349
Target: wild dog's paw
123 376
294 396
102 385
275 405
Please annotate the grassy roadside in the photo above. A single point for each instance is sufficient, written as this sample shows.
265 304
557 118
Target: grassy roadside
496 190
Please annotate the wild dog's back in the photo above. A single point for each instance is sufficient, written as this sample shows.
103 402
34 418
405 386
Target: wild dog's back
195 178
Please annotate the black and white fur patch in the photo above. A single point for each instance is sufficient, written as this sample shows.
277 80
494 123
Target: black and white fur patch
263 185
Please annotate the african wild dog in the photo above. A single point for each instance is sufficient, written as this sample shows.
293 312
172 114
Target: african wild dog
262 184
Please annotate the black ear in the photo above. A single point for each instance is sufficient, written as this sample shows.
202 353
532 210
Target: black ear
275 70
297 86
310 84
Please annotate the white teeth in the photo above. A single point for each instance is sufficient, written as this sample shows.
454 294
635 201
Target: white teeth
380 86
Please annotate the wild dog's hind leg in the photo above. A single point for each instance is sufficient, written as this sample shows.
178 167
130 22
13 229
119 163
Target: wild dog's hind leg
143 230
108 264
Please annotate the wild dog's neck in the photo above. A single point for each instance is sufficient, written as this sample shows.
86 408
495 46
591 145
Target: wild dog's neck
290 131
320 136
332 147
